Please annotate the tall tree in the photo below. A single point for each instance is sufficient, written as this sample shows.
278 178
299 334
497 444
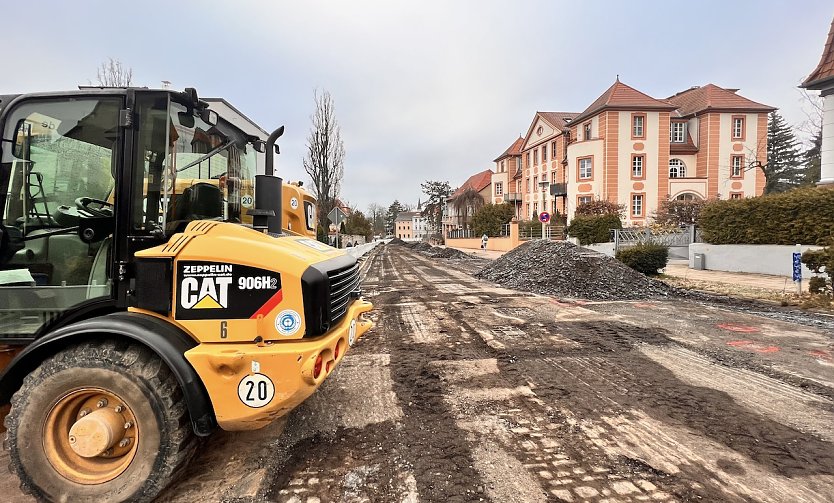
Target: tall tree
782 171
376 214
466 204
357 225
325 157
811 161
112 73
391 216
436 192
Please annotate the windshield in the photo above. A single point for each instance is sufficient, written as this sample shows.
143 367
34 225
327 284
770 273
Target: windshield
193 170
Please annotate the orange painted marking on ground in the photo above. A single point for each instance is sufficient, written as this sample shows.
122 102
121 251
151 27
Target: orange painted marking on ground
732 327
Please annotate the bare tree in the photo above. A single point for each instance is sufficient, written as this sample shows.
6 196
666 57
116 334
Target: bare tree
112 73
325 157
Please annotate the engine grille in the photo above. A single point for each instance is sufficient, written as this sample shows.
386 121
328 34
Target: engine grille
344 284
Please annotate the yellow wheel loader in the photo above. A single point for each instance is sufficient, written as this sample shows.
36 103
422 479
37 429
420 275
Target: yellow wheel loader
147 292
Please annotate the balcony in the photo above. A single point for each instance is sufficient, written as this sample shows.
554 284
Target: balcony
513 197
558 189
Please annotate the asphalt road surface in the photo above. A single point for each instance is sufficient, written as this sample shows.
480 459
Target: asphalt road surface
465 391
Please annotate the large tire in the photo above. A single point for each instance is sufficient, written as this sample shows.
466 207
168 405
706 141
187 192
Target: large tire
130 374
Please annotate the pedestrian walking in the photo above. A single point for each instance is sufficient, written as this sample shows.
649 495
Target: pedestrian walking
484 240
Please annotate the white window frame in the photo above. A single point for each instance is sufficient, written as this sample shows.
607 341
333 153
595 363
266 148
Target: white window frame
586 131
585 199
641 126
678 132
586 164
637 167
499 188
737 166
738 128
681 169
544 152
637 204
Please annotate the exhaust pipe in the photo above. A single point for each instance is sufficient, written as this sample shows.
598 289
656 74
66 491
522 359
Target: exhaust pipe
268 189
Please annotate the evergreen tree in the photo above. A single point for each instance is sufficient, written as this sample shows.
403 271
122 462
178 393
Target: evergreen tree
393 212
811 171
783 170
437 193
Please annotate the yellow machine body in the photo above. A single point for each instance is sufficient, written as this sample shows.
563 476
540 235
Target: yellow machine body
239 294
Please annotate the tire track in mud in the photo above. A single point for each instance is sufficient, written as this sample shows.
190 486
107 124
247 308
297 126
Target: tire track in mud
624 381
508 396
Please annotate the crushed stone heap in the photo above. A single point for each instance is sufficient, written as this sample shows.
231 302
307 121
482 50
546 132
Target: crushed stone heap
565 270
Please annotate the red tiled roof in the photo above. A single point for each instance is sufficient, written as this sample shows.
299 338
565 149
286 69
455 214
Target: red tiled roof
477 182
622 96
712 97
514 149
558 119
823 75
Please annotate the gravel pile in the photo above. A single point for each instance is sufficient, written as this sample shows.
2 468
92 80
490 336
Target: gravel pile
421 246
397 242
566 270
450 253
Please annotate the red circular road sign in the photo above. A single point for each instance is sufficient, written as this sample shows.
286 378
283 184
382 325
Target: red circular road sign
544 217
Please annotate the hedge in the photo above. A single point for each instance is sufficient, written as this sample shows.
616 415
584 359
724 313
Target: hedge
804 216
647 258
591 229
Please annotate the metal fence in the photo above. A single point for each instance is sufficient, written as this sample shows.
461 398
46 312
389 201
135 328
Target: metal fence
642 235
461 234
535 232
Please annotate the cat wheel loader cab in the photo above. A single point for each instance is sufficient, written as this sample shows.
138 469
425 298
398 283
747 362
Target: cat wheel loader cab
147 290
299 210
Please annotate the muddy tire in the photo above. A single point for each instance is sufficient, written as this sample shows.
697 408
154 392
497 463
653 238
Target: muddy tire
129 397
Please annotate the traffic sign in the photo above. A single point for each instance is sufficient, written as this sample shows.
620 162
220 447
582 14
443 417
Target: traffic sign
797 266
544 217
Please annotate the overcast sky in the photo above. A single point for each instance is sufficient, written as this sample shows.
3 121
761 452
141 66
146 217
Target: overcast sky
423 89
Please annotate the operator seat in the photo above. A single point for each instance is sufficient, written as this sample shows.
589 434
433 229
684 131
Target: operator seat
201 201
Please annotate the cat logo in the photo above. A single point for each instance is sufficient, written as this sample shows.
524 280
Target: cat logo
205 293
205 286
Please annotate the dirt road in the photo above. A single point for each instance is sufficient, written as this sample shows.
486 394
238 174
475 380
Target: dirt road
469 392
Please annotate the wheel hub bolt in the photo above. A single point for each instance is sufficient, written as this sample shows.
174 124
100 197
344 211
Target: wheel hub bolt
72 439
119 408
83 413
128 425
124 442
101 403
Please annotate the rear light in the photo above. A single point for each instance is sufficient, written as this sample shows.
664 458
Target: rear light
337 350
317 367
329 364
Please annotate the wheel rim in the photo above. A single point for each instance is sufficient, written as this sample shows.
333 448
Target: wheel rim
90 436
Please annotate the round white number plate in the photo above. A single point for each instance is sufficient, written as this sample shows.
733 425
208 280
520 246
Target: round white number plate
256 390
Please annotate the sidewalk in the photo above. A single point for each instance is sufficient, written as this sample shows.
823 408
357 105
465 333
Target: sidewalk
487 254
680 269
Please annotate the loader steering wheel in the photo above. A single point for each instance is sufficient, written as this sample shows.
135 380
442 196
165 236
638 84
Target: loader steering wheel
106 210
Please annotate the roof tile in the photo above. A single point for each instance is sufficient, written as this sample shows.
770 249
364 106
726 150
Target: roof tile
478 182
620 95
712 97
825 69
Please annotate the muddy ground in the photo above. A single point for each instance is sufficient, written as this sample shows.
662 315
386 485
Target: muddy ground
465 391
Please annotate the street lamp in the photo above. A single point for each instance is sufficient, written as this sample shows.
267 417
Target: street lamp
543 184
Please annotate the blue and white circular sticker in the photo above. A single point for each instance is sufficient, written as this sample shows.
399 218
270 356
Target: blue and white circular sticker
294 203
287 322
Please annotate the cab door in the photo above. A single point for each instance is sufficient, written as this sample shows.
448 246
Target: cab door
59 157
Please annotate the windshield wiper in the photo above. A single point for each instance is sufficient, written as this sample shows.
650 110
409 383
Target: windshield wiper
205 157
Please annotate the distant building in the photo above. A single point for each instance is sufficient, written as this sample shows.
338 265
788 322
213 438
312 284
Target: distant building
506 180
822 80
632 149
479 182
403 225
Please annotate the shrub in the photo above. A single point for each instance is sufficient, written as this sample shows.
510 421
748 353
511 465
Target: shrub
803 216
676 213
490 217
821 262
594 228
647 258
600 207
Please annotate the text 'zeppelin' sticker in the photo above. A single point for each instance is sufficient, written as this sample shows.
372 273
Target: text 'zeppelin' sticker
287 322
256 390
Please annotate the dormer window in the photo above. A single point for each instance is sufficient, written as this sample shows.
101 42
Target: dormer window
677 132
587 131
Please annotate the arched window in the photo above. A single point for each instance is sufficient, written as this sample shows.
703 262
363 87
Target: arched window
677 169
688 196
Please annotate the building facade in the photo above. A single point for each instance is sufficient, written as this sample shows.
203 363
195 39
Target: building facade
822 80
632 149
506 180
455 215
403 225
